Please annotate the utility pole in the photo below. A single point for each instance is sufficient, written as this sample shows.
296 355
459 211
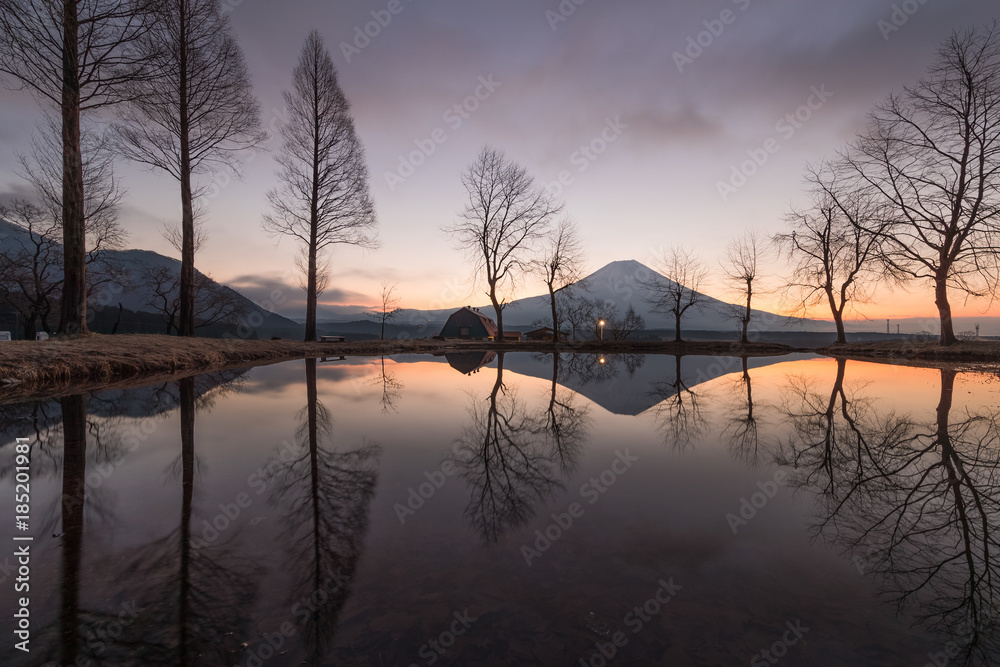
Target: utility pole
887 327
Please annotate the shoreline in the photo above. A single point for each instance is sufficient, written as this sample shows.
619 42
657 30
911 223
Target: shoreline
62 366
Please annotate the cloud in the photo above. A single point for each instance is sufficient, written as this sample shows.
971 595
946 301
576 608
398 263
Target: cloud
17 191
290 298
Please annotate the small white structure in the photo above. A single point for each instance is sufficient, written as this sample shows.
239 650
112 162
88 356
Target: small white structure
41 335
4 335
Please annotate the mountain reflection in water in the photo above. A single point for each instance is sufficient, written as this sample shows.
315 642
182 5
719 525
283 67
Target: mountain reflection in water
348 514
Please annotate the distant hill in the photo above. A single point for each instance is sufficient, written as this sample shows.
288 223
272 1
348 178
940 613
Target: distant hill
136 297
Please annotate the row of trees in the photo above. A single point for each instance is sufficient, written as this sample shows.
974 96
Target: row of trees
512 228
174 73
915 197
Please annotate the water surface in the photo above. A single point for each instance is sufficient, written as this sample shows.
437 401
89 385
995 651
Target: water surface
527 509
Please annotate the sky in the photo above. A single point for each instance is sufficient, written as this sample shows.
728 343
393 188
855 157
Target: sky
632 111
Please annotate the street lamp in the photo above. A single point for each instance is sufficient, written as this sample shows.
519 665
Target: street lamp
601 324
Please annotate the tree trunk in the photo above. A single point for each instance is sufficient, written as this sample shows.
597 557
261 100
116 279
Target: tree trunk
746 315
838 320
312 297
74 496
944 309
73 314
499 312
118 320
837 312
187 410
677 327
30 327
555 316
186 324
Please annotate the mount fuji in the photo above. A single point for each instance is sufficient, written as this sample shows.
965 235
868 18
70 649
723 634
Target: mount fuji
625 283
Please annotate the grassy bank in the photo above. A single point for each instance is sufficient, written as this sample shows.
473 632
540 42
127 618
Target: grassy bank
30 369
966 351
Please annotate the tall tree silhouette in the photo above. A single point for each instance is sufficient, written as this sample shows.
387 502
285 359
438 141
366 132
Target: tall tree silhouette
79 56
324 198
506 215
834 256
932 156
742 268
681 291
196 114
561 267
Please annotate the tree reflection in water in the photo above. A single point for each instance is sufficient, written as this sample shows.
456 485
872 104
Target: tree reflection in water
392 388
185 600
324 494
198 592
917 505
742 427
678 414
512 458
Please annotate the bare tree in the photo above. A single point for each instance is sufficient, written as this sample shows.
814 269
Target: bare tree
75 55
834 258
388 309
30 260
561 265
43 168
196 114
577 309
932 153
741 269
214 303
506 215
627 324
681 291
324 199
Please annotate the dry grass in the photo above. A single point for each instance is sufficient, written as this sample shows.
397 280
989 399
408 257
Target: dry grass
30 369
988 351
